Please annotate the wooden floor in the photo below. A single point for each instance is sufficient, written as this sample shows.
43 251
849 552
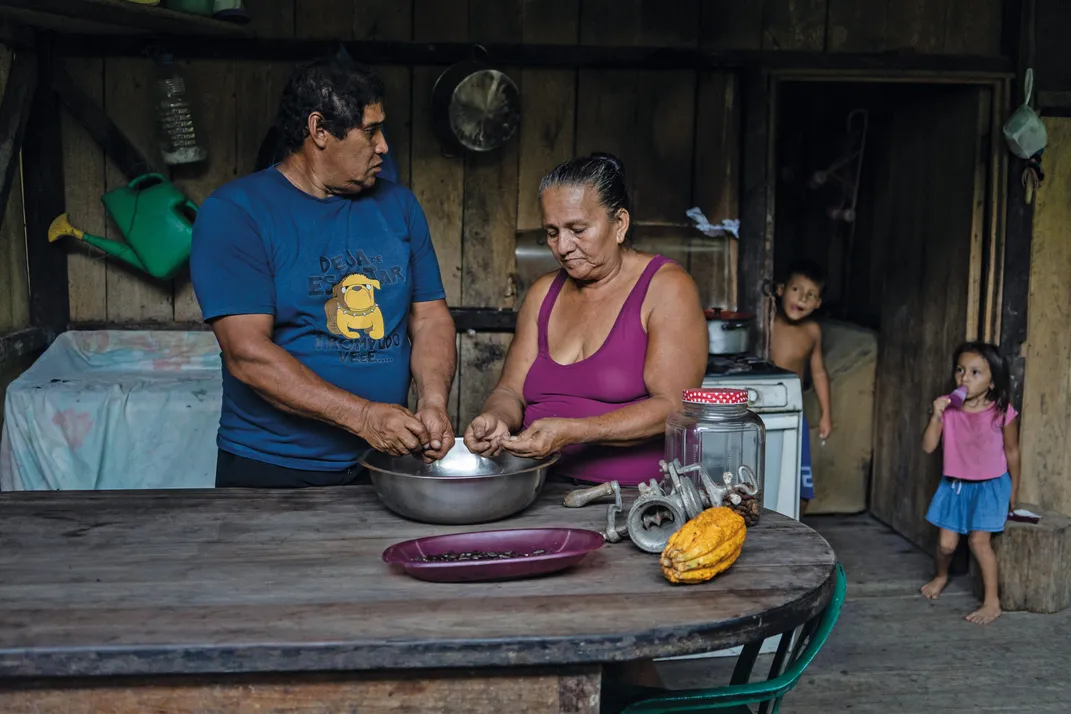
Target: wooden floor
892 651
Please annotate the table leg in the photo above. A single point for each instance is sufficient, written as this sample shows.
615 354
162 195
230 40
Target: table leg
574 690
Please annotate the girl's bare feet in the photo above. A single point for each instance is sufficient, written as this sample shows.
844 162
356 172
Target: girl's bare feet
946 546
932 589
985 614
987 561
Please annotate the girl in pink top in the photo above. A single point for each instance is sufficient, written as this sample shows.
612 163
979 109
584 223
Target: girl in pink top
981 467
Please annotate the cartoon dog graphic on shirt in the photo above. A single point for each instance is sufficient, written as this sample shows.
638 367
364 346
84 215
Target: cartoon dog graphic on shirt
352 308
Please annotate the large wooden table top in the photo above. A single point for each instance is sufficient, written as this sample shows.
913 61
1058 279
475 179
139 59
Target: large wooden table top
227 581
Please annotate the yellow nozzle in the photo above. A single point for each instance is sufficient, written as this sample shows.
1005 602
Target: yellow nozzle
61 226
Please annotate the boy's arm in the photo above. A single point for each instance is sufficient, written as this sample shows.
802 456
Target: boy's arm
821 384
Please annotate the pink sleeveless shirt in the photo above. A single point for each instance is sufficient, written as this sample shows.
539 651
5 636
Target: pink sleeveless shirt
609 379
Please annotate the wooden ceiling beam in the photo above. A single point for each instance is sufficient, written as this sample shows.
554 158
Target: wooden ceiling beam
523 55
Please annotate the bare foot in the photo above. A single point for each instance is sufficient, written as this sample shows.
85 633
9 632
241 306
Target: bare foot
932 589
985 614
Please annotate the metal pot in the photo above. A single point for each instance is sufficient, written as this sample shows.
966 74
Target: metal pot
729 332
460 489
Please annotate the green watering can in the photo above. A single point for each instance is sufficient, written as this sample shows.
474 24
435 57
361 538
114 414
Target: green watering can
156 221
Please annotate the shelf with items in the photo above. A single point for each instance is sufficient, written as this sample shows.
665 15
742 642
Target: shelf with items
115 17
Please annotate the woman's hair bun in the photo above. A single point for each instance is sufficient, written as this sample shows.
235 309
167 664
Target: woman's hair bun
615 162
603 173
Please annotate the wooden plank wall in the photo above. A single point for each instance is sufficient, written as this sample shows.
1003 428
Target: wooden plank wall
926 291
955 27
678 132
1052 70
1046 451
14 286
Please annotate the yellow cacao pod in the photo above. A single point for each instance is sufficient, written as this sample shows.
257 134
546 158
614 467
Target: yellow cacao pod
704 546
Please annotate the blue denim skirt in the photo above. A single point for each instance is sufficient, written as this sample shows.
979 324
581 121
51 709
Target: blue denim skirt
964 506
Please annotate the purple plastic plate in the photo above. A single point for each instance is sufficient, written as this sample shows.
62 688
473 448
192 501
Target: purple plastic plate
565 547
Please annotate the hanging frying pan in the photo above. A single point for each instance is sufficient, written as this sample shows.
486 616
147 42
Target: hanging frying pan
475 107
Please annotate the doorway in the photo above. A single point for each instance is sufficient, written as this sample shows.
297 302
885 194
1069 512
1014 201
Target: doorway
893 188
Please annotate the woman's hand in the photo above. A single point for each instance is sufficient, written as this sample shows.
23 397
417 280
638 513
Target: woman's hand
541 439
486 434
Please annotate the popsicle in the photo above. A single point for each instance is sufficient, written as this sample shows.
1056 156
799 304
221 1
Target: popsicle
958 397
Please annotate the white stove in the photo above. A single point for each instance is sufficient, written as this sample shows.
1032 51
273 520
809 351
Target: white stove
776 395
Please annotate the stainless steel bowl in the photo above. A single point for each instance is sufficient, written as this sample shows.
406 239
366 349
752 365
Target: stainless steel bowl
459 489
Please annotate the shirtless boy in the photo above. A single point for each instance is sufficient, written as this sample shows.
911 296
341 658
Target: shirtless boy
795 344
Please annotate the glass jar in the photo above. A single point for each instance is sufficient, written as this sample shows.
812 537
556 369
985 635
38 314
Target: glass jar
716 430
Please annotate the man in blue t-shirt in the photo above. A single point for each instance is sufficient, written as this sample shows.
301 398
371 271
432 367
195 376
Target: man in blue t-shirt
321 284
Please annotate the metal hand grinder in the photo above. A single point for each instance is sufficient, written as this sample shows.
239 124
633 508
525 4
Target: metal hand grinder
661 508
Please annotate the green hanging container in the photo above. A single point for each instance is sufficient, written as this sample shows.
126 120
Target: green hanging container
155 219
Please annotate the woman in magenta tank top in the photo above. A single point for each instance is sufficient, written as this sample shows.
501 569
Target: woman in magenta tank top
604 347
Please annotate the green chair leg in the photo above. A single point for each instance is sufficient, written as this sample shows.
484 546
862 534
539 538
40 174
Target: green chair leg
792 658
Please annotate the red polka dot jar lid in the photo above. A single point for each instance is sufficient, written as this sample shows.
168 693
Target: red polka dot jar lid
720 396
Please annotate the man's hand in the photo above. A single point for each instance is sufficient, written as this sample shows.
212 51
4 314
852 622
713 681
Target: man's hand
486 434
391 429
440 432
541 439
825 428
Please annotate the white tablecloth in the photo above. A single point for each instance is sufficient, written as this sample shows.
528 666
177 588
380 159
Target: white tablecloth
114 409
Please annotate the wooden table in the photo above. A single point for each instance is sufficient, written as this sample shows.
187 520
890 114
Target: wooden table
270 601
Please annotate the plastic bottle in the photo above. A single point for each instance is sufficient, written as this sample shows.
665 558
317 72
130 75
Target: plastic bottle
175 122
958 397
